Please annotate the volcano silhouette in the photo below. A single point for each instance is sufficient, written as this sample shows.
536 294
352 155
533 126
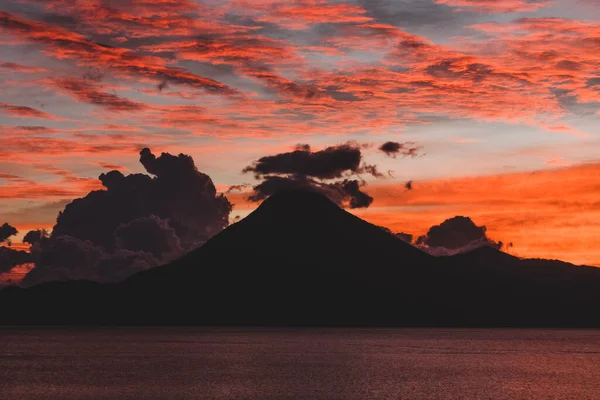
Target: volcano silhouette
300 260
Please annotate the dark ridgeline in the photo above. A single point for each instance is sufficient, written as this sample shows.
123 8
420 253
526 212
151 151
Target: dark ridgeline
299 259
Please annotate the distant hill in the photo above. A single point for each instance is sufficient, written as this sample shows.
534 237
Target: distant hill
299 259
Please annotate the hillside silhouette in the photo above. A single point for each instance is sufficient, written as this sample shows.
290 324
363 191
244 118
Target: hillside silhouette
301 260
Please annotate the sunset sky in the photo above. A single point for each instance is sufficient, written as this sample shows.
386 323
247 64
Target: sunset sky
502 96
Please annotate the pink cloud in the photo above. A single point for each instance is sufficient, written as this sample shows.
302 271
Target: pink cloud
497 6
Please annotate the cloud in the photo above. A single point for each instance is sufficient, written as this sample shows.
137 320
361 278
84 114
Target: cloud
497 6
237 188
20 67
149 234
453 234
25 112
328 171
66 258
65 44
406 237
36 237
330 163
304 13
84 91
137 218
110 166
345 193
10 258
393 149
6 231
178 192
350 190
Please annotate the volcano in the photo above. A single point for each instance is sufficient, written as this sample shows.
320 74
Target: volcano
301 260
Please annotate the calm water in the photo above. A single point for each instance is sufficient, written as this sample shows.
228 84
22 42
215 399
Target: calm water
181 363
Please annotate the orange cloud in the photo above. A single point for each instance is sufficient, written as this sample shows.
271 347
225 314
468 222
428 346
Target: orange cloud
86 91
69 187
64 44
303 13
110 166
16 274
497 6
551 213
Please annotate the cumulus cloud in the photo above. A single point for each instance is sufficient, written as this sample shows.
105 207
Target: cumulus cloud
149 234
455 235
138 221
65 258
304 169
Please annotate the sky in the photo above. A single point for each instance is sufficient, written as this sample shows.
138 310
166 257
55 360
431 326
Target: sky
502 98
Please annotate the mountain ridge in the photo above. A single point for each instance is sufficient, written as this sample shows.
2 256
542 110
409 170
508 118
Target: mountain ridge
301 260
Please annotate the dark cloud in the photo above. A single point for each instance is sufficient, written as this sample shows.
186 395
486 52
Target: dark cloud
178 192
237 188
148 234
6 231
356 198
303 147
66 258
304 169
394 149
10 258
409 185
455 235
373 170
273 184
330 163
345 193
146 220
36 237
407 237
593 82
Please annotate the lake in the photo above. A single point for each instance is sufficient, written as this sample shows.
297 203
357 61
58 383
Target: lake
240 363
